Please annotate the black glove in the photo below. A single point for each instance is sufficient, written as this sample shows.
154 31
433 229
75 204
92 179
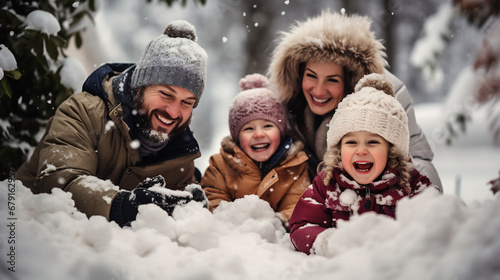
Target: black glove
125 205
198 194
148 183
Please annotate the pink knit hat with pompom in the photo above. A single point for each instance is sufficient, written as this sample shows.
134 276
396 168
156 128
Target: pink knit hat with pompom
256 101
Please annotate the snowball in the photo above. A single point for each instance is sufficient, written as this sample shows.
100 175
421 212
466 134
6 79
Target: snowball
43 21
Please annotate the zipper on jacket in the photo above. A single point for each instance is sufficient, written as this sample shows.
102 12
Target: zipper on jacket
368 202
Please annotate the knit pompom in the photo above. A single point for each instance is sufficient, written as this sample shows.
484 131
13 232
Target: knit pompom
180 29
253 81
376 81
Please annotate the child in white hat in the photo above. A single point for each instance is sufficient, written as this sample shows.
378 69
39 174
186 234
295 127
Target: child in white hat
257 158
366 168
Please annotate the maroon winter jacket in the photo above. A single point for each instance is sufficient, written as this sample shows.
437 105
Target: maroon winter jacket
321 206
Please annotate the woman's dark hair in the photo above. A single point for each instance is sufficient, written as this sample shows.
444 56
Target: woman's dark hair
297 103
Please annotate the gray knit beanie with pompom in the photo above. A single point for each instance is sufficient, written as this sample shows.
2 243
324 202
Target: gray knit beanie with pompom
256 101
373 108
173 58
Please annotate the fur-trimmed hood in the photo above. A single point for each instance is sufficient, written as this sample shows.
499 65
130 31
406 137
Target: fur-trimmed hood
330 37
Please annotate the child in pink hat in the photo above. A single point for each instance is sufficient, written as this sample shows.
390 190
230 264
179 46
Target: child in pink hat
257 158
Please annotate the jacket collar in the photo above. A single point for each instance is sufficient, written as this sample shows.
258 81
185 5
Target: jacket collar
124 96
93 84
279 156
388 178
288 150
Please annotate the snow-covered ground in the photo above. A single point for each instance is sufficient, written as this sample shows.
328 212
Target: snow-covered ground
435 236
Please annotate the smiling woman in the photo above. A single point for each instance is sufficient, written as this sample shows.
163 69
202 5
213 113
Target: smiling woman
318 63
367 160
323 86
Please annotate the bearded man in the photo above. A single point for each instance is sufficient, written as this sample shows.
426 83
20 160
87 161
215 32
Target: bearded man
125 140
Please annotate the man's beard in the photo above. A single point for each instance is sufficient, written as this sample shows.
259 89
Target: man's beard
144 122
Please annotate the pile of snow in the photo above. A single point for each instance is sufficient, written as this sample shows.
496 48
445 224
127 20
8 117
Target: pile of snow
435 237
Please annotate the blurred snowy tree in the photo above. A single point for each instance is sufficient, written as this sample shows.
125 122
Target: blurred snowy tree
34 35
485 14
477 84
36 32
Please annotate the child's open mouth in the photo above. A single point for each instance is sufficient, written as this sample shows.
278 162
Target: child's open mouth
363 166
260 147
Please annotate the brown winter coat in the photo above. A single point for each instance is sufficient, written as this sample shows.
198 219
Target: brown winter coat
87 136
232 175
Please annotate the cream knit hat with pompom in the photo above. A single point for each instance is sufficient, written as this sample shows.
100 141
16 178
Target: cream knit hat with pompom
373 108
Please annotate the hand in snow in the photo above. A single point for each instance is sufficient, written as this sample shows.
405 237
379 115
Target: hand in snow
149 182
198 194
284 221
125 206
321 245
